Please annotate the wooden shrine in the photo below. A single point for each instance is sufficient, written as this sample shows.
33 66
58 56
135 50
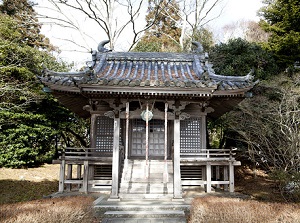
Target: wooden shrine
148 116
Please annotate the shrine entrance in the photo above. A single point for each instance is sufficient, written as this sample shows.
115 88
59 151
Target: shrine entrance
156 136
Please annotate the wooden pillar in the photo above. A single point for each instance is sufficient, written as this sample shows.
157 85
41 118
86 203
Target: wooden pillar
225 177
115 163
203 131
85 176
127 133
166 176
231 177
177 193
79 173
147 133
91 168
69 176
218 175
208 177
62 176
93 131
147 143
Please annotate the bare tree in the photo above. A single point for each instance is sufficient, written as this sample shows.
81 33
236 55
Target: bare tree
125 18
196 14
269 125
248 30
113 17
255 33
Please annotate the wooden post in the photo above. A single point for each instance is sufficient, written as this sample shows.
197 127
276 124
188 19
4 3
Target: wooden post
166 176
203 132
127 133
69 176
62 175
93 131
147 133
166 130
231 177
115 164
147 142
208 177
177 194
91 168
225 177
85 176
79 174
218 175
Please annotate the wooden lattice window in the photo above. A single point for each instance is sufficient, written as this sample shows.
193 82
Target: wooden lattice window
190 135
104 133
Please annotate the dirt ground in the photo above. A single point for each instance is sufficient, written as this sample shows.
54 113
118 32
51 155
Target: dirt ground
35 183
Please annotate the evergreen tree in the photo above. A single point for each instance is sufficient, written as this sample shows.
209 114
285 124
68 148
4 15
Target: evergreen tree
281 18
238 57
23 13
203 36
164 35
31 122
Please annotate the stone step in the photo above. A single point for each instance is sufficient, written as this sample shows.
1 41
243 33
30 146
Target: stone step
149 179
160 213
162 216
142 196
146 188
146 191
145 184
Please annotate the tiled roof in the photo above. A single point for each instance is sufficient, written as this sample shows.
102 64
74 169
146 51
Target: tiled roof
133 69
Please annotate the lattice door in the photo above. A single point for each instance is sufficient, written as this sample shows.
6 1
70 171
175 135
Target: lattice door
156 138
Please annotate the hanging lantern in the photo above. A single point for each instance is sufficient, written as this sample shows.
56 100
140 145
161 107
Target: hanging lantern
146 114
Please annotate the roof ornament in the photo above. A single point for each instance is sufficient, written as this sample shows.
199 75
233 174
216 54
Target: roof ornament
101 47
199 46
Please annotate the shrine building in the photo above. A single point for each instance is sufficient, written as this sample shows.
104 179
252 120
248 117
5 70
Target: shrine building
148 133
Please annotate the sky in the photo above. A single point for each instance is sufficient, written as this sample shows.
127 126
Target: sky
232 11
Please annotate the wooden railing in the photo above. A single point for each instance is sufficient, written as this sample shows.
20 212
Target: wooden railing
82 154
210 155
82 157
210 160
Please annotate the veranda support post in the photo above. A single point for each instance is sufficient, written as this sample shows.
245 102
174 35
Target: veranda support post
62 175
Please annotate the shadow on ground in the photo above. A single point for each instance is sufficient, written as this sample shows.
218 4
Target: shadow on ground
12 191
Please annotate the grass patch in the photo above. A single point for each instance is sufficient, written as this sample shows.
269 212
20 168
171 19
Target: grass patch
65 210
19 185
13 191
231 210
